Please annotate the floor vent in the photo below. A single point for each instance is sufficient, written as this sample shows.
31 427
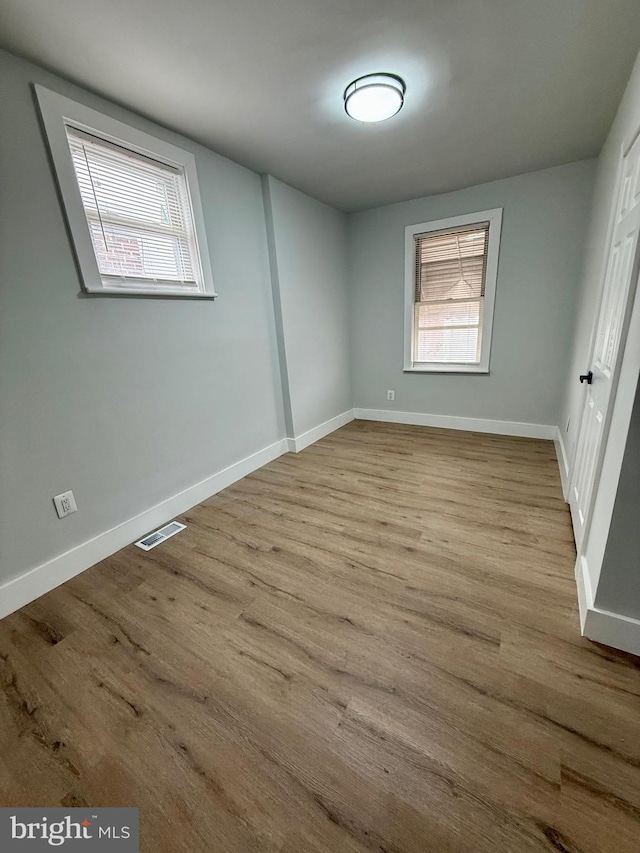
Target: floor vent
159 536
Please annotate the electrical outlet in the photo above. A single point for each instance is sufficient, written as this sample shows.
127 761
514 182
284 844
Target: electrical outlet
65 504
391 395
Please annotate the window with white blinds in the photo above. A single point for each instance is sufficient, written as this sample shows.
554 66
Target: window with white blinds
451 276
450 273
138 212
132 202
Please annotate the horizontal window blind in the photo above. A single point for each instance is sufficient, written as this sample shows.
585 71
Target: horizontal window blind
139 215
449 277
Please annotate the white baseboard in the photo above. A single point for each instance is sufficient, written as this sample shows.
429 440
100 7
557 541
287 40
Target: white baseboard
583 583
16 593
563 462
301 441
524 430
602 626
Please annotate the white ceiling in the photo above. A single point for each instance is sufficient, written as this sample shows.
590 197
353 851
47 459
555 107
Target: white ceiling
494 87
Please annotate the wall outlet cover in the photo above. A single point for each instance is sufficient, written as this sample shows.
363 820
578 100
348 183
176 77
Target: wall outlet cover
65 504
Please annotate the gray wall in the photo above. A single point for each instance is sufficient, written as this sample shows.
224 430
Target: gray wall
126 401
545 220
619 587
623 127
308 249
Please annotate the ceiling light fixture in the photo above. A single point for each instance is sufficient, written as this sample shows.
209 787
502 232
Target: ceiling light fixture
374 97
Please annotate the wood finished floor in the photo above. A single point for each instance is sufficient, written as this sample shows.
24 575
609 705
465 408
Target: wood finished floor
369 646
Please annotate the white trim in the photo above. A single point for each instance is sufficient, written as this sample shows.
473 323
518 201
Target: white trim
447 368
516 428
613 629
583 584
16 593
563 464
494 218
602 626
301 441
57 112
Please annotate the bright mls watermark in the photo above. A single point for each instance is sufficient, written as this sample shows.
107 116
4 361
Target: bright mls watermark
35 830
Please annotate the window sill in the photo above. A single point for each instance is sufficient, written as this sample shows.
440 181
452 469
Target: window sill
449 368
153 294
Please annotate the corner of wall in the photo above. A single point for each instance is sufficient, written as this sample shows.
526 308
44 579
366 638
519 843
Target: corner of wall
299 443
277 302
602 626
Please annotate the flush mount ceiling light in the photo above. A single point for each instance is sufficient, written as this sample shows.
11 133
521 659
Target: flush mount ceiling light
374 97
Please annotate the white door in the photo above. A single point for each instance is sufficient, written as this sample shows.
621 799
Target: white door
619 287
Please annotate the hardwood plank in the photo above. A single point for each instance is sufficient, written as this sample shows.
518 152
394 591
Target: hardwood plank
372 645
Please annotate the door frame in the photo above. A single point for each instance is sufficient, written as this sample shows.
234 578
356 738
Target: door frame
602 626
630 306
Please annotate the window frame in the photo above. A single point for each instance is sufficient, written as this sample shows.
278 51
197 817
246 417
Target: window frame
58 112
494 218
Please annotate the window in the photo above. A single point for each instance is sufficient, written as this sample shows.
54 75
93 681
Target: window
131 201
450 270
